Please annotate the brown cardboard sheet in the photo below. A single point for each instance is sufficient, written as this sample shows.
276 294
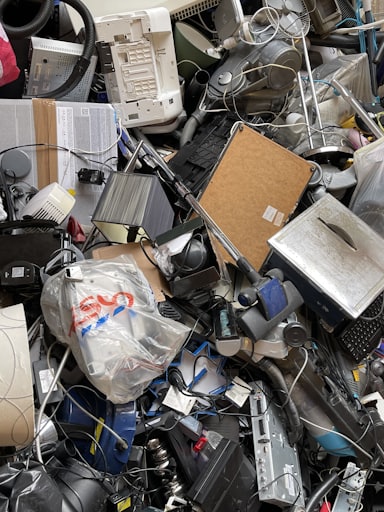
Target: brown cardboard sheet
44 115
254 190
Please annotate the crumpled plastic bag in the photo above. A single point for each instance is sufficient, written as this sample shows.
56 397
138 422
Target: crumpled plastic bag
33 490
106 312
9 70
367 200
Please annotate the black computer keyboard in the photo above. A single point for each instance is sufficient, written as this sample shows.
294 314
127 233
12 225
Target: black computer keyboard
361 337
195 161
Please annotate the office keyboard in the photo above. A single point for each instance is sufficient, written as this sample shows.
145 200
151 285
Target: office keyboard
195 161
362 336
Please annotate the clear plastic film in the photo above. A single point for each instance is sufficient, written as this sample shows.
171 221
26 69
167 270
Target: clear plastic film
106 311
367 200
352 72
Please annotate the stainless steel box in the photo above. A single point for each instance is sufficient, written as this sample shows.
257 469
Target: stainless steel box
333 257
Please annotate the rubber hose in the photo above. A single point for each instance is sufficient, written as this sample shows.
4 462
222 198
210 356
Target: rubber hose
195 120
84 60
328 484
279 384
349 41
40 20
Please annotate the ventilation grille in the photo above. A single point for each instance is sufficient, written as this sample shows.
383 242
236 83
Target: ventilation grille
49 212
195 8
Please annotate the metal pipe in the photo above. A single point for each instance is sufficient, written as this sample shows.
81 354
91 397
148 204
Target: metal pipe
313 90
347 95
305 111
251 273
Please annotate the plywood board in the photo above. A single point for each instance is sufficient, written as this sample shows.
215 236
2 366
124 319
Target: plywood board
254 189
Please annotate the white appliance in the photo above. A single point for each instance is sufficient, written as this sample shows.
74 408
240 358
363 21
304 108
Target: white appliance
138 60
52 202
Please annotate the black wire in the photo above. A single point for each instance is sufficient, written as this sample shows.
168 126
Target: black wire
203 356
78 153
98 445
265 486
141 242
249 360
209 398
105 243
154 428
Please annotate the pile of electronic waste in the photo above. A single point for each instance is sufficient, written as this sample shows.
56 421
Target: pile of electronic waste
212 340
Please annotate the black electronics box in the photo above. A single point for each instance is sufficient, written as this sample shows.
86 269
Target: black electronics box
227 482
33 241
207 274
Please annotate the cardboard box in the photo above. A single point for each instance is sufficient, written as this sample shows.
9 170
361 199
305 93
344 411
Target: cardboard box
53 134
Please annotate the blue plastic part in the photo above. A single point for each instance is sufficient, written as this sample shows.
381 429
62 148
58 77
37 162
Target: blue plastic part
335 445
273 297
106 455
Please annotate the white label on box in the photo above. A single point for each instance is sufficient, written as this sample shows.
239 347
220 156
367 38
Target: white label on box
289 480
279 219
46 378
269 213
239 392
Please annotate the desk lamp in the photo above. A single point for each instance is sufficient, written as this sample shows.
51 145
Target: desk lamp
131 201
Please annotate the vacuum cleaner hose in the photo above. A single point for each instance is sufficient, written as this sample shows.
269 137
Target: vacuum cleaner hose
38 22
319 493
84 60
277 378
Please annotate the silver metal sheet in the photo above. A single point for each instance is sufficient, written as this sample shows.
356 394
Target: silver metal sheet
277 462
337 253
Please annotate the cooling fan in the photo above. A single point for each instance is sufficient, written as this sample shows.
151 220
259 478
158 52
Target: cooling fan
293 16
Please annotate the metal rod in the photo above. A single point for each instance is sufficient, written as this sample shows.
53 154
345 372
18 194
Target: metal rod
313 90
305 111
132 161
347 95
252 275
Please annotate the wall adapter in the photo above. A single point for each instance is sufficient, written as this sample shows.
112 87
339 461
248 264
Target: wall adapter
43 376
91 176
